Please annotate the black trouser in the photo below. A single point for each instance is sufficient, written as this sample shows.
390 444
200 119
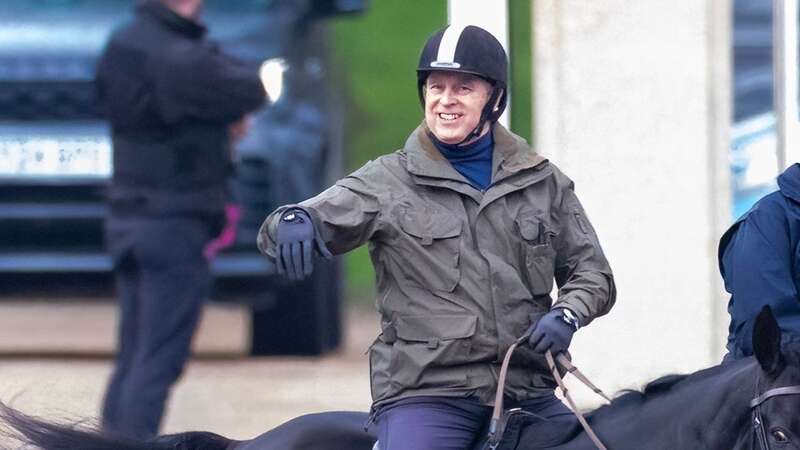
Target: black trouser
162 279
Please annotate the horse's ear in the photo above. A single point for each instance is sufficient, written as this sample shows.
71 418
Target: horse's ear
767 341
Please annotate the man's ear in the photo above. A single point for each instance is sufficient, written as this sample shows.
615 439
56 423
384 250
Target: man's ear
767 341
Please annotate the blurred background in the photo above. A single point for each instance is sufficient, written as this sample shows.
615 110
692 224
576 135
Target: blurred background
672 119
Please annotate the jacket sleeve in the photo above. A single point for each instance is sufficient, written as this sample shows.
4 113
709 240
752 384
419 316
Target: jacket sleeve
200 82
757 269
586 284
345 217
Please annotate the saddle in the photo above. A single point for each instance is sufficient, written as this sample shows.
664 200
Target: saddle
535 431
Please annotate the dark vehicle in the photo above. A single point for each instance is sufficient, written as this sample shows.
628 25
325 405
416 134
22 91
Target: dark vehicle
55 156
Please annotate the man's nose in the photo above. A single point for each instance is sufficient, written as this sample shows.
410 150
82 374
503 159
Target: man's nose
448 97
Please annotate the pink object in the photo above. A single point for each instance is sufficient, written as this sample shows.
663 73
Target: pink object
227 236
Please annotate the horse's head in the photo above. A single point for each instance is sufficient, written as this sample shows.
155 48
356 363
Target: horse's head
776 406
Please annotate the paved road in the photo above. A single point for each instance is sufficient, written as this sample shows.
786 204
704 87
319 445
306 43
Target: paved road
55 359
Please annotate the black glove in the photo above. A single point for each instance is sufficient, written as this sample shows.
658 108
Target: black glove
295 239
552 332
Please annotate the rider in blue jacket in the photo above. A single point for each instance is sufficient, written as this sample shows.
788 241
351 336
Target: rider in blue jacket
759 258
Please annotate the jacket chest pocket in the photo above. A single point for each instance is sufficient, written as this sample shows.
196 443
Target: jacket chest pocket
428 246
537 253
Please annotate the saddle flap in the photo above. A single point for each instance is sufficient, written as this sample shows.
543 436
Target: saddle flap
549 433
529 431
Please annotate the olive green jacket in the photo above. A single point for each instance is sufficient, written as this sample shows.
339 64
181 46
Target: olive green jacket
462 273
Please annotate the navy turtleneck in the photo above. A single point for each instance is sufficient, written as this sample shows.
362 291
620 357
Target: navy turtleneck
474 160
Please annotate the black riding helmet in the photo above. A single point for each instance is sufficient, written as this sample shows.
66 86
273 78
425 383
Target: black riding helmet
467 49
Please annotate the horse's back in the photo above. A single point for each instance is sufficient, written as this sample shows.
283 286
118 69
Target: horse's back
336 430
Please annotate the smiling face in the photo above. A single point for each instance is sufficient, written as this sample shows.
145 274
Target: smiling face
453 104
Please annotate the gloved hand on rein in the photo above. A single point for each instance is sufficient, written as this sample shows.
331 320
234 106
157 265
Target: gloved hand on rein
295 244
552 332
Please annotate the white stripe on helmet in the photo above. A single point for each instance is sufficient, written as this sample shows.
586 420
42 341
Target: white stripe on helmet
447 47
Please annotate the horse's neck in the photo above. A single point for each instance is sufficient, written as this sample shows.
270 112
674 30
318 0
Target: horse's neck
706 413
721 405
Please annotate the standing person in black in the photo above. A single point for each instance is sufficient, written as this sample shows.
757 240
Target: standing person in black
171 97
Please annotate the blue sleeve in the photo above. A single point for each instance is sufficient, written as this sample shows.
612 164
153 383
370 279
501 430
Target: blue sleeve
758 271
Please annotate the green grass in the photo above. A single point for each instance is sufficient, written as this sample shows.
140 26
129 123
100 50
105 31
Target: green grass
377 54
519 12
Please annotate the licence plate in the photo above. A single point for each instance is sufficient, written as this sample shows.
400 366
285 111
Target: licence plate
32 156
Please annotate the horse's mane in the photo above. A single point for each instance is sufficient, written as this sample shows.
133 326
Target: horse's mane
654 388
658 387
665 384
630 397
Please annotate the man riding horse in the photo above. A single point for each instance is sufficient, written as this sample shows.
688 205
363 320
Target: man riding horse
468 227
759 259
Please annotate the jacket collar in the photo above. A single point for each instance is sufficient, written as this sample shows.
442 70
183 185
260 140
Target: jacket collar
425 160
160 12
789 182
511 155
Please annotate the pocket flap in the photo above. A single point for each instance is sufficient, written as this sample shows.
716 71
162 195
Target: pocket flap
430 328
439 226
529 227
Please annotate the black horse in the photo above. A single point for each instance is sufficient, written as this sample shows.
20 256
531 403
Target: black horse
749 404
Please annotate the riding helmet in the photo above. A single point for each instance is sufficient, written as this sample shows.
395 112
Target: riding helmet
467 49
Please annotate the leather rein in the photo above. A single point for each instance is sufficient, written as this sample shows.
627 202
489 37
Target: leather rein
497 426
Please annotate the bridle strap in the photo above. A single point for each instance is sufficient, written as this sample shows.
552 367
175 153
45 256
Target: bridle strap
788 390
761 434
495 433
755 405
567 364
560 381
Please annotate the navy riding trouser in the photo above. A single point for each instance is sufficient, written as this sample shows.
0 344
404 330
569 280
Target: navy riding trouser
162 280
444 423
